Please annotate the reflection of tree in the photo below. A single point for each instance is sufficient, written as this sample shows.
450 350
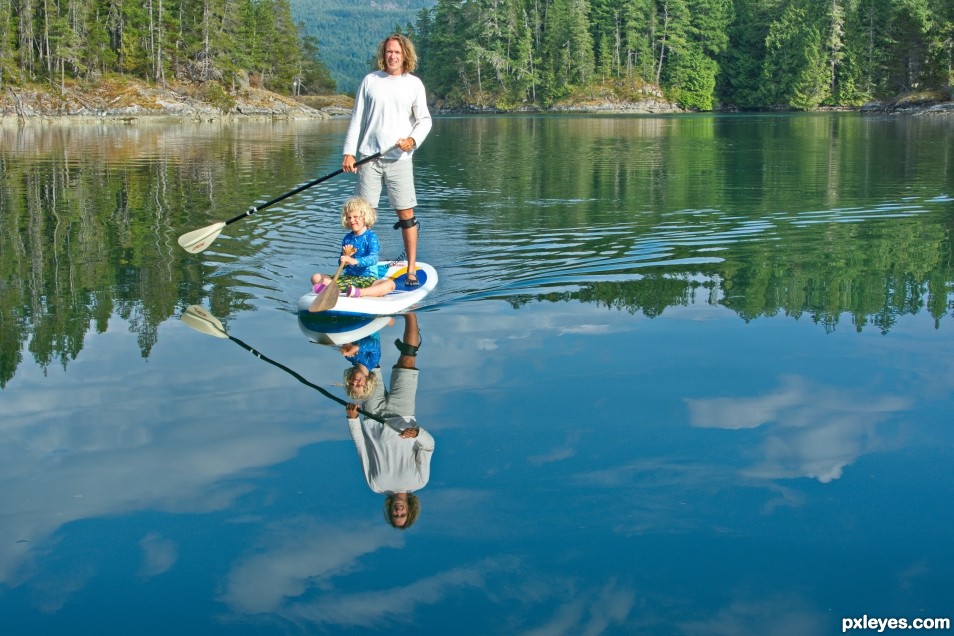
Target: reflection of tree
89 231
893 270
690 182
875 272
89 217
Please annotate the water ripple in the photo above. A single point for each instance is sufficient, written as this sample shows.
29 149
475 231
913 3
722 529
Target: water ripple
497 253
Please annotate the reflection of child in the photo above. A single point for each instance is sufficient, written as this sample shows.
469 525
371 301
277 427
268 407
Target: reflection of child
364 356
360 251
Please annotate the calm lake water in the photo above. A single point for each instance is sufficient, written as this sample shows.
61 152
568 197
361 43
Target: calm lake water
685 375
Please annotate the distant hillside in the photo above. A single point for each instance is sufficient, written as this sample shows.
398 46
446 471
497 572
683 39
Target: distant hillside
348 32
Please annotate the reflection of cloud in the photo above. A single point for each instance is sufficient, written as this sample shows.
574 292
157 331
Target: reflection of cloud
813 431
294 574
610 607
567 450
780 616
384 607
912 573
656 490
587 330
50 593
307 555
99 451
159 555
736 413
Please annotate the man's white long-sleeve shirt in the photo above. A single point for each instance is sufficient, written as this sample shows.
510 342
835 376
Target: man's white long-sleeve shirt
392 463
387 108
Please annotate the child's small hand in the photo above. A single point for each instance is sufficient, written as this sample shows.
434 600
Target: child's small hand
348 250
349 349
347 260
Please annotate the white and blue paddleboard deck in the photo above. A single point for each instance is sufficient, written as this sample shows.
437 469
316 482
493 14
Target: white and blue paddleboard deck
399 300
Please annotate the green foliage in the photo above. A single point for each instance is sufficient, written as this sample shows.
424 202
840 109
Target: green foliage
216 95
693 79
747 53
199 40
797 54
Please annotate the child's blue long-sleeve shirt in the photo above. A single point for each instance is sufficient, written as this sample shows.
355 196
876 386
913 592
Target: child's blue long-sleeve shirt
367 254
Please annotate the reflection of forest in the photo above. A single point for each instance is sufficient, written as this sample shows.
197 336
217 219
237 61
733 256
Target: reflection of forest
874 287
89 215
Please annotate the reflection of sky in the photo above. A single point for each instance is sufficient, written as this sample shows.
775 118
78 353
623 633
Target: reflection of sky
815 431
114 438
595 472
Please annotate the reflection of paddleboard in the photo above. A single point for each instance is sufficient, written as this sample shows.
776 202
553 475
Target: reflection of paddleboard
399 300
337 330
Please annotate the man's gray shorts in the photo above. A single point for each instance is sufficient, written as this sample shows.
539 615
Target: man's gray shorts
396 176
401 399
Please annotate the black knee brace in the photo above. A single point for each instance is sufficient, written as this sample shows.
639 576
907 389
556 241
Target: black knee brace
404 224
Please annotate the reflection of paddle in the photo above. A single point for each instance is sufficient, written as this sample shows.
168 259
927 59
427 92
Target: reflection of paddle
328 297
201 320
197 240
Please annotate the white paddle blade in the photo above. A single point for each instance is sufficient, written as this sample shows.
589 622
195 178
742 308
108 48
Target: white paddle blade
201 320
197 240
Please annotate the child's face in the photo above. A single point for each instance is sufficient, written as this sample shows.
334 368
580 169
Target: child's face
358 381
355 221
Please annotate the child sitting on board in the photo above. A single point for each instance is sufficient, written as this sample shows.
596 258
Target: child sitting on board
360 250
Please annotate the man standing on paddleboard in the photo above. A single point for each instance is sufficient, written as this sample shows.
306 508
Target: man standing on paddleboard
390 116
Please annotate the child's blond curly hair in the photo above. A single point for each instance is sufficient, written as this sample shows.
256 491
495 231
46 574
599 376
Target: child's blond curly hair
358 205
364 392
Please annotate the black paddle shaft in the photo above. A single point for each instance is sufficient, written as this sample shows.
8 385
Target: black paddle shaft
299 377
254 208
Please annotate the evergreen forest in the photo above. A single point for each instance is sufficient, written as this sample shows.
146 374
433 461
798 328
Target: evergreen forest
703 54
506 54
228 43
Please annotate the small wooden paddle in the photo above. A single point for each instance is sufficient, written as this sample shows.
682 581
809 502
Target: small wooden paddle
328 297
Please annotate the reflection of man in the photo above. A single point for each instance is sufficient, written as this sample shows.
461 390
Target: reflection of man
390 109
395 454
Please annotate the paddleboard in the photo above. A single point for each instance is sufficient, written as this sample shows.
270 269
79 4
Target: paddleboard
339 330
399 300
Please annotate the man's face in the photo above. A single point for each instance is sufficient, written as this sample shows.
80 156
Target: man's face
399 512
393 58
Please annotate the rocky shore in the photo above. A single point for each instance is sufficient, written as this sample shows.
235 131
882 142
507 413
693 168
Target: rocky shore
129 101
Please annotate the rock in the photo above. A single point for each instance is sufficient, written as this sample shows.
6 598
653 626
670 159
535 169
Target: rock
130 100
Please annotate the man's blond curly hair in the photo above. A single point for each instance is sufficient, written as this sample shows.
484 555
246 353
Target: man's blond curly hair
410 55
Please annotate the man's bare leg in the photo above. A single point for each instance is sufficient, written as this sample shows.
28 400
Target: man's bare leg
412 338
409 234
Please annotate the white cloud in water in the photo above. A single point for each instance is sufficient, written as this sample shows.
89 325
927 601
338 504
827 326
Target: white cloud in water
97 450
159 554
812 431
295 574
298 558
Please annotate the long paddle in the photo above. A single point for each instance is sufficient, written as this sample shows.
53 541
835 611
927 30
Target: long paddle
197 240
328 297
204 322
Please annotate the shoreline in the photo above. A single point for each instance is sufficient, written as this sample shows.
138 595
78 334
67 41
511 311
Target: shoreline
128 102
